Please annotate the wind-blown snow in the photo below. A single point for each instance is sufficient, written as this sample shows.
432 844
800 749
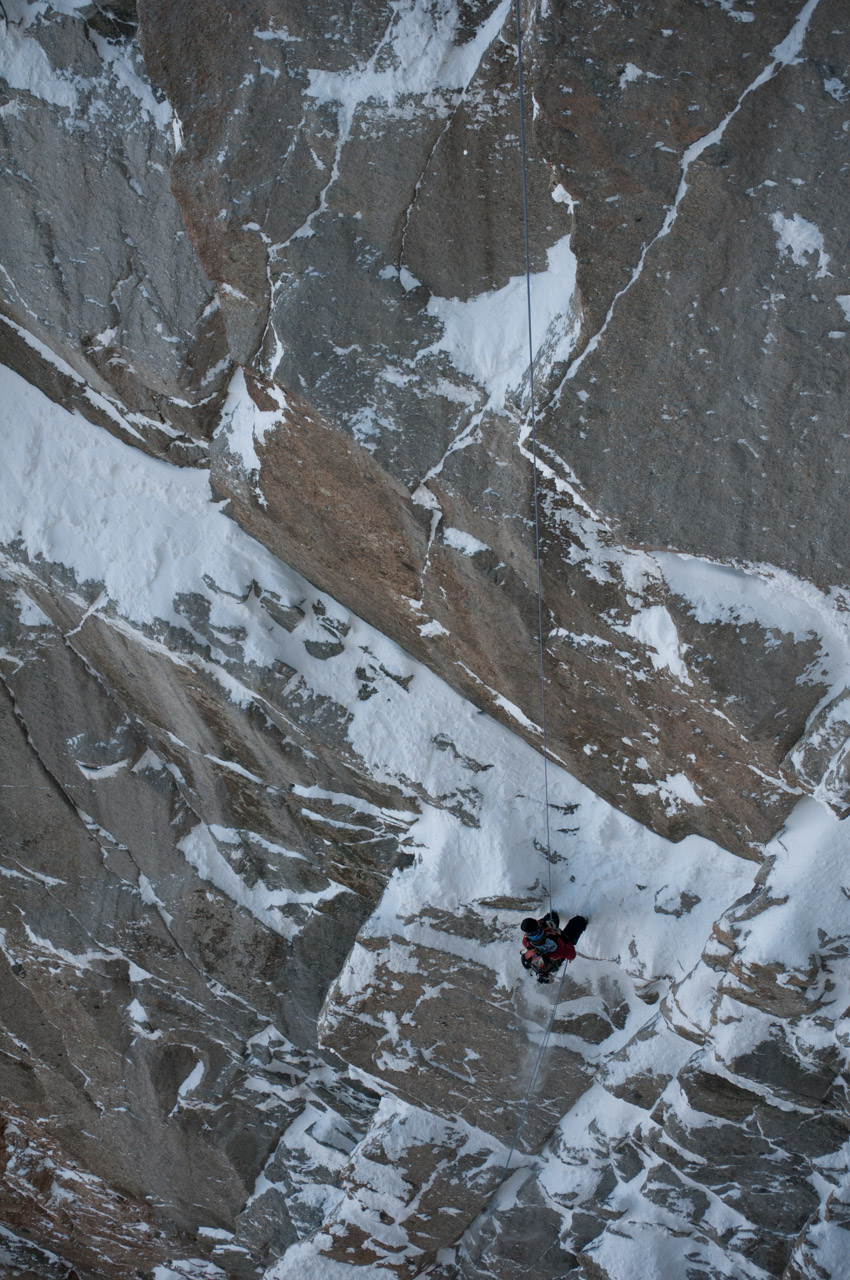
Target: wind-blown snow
806 892
419 54
140 533
774 599
632 73
189 1269
810 866
656 629
486 336
24 65
245 425
675 791
192 1081
149 532
201 850
139 526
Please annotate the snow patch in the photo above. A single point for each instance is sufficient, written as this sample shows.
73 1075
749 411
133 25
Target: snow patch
137 1012
29 614
432 628
463 542
631 73
201 851
486 337
655 628
25 66
836 89
189 1269
277 33
245 425
119 58
811 863
100 772
800 238
775 600
420 54
674 791
561 196
739 15
192 1081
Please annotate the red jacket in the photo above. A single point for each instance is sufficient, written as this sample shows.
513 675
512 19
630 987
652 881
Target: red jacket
562 950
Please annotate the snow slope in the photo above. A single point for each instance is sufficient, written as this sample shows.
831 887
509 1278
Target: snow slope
136 534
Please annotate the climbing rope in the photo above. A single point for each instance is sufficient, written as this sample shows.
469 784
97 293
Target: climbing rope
533 415
526 1102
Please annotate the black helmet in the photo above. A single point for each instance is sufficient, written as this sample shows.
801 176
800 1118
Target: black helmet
530 925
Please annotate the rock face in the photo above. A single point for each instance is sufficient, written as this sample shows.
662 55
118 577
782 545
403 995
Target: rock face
98 268
746 434
273 799
347 316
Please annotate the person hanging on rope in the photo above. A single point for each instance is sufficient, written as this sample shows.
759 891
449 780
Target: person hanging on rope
545 946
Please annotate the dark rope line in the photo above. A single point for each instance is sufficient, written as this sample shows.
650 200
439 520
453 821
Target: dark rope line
526 1102
534 446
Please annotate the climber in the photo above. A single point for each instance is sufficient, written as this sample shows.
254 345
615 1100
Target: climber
545 947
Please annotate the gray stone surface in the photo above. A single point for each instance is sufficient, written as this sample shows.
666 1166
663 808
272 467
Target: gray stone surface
136 973
728 429
312 199
270 189
97 264
329 319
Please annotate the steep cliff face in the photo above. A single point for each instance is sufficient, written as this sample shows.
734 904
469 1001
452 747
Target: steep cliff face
273 799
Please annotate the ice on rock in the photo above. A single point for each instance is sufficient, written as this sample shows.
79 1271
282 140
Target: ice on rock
800 238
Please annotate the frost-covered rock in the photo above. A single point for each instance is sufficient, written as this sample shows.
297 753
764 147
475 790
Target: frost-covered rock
273 803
